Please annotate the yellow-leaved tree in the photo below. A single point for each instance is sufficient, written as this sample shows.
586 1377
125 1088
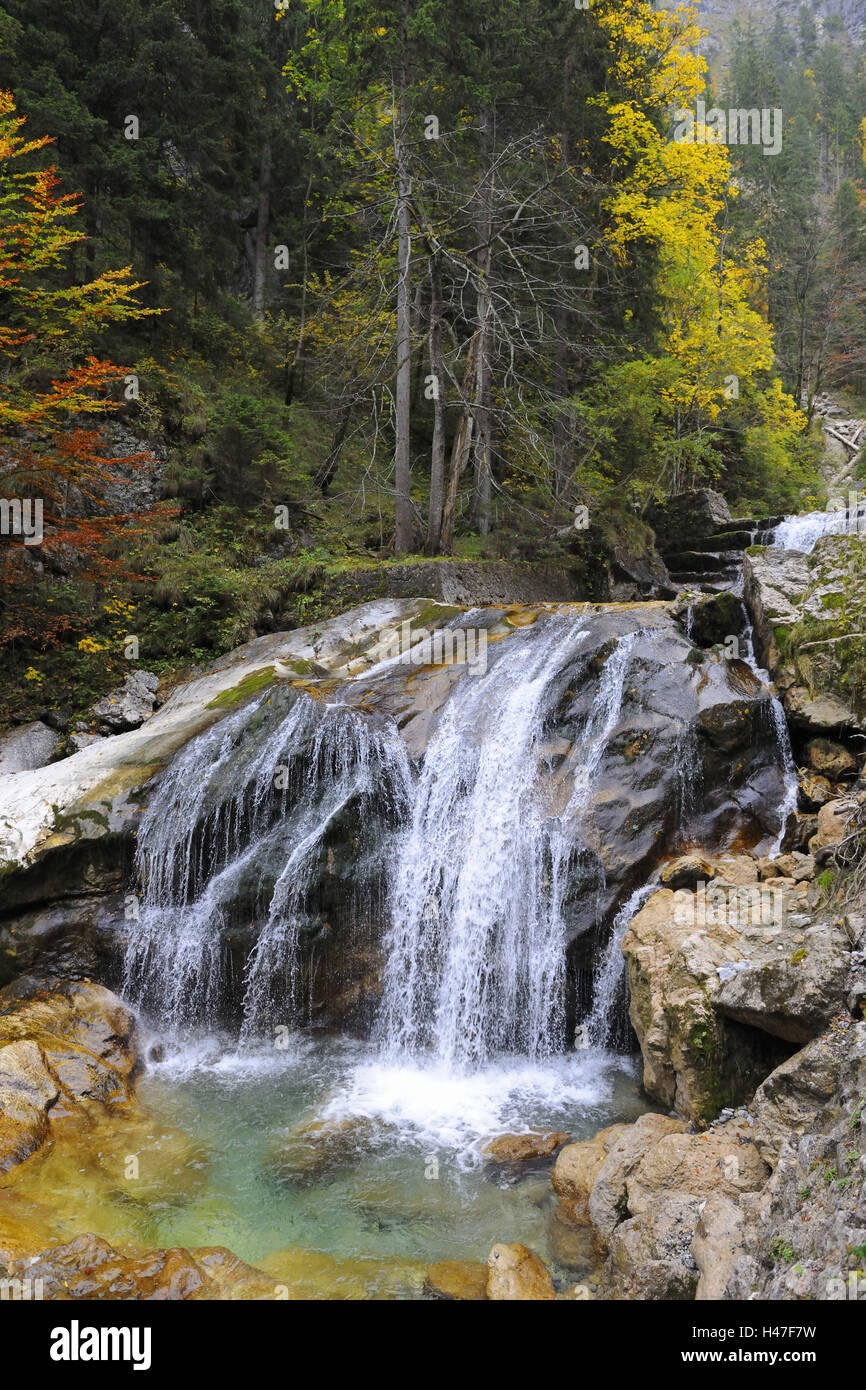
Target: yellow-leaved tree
670 204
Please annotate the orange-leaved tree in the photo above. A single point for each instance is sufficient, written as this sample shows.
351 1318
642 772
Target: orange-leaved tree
55 476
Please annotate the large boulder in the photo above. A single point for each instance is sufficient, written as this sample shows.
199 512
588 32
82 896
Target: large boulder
703 964
803 1235
63 1049
608 1199
129 705
29 747
578 1166
647 1200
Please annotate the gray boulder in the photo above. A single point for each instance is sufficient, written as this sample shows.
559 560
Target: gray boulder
129 705
31 746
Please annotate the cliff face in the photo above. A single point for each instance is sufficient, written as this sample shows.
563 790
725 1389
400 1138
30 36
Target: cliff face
718 17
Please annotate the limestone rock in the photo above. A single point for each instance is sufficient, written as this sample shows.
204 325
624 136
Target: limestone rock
833 821
516 1274
831 759
30 747
792 993
27 1089
718 1243
462 1281
650 1255
806 1092
129 705
508 1149
60 1049
725 1161
801 1231
578 1166
694 981
784 588
608 1203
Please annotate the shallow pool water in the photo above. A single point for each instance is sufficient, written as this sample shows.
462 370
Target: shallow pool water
331 1168
407 1179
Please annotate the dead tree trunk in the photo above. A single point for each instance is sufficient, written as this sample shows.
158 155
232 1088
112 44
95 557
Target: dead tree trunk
437 451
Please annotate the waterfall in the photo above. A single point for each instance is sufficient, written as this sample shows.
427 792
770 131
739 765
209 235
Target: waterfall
783 740
803 532
608 982
292 823
476 946
274 782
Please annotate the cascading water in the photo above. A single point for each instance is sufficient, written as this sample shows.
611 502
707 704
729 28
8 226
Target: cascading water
783 742
803 532
608 986
476 948
277 782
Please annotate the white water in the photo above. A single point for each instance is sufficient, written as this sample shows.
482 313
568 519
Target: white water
278 790
790 778
607 985
803 532
476 948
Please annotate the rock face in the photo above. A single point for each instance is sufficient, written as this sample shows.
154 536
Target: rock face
62 1050
702 965
129 705
643 1189
31 746
785 589
516 1274
693 514
803 1236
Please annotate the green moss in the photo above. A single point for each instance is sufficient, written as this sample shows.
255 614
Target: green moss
438 613
250 685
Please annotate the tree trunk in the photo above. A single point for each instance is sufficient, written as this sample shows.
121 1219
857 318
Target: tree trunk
403 404
263 217
460 449
481 489
437 452
561 468
302 320
328 471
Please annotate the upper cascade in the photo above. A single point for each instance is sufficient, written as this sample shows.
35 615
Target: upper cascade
803 532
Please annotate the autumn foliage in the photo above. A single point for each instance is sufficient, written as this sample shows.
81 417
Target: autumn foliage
55 391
